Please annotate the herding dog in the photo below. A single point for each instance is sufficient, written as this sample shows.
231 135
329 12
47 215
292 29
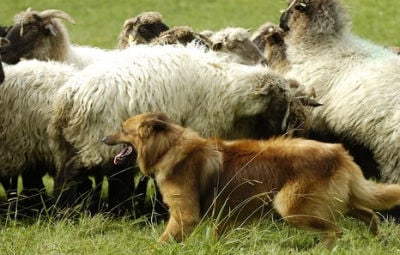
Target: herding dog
308 183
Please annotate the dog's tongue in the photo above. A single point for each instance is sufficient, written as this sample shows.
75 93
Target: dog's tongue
125 152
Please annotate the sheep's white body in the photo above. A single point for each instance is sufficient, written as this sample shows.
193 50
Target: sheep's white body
358 84
26 98
83 56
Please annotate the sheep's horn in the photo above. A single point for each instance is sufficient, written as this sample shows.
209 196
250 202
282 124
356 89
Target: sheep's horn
205 38
289 7
4 42
56 14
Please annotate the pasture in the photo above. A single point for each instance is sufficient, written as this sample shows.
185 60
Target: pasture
98 24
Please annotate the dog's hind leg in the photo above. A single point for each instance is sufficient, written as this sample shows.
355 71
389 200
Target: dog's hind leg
367 216
308 212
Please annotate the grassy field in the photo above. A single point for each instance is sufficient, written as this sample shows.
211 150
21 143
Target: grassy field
98 24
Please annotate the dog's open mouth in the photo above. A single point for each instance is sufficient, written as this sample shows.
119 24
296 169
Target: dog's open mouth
123 154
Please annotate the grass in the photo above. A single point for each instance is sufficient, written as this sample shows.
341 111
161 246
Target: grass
98 24
99 21
102 235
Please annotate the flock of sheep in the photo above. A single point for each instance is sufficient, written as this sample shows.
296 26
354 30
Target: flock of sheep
308 76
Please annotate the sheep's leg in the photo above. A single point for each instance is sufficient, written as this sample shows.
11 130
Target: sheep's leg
140 195
33 196
10 185
96 196
121 189
66 183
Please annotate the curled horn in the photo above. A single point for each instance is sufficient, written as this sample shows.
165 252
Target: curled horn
289 7
205 39
56 14
4 42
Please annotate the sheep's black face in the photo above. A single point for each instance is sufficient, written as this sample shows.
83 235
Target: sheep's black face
4 31
1 73
3 42
284 20
22 40
151 31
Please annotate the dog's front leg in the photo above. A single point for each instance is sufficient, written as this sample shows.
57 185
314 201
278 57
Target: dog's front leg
181 223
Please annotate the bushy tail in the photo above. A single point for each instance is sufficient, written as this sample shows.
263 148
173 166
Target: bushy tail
372 195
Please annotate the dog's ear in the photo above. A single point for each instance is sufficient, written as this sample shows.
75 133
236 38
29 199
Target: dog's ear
148 127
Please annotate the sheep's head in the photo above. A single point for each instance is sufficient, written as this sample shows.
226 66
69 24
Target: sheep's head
141 29
317 16
35 34
3 43
237 41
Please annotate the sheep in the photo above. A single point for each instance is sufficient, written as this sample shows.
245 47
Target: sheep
25 100
357 81
42 36
197 89
141 29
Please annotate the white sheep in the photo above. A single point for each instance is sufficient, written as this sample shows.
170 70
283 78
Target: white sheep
41 35
26 108
197 89
357 82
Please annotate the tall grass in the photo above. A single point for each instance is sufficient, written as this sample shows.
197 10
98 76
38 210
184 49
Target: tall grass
98 24
103 235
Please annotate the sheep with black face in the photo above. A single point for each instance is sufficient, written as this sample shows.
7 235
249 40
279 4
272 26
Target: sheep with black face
141 29
42 36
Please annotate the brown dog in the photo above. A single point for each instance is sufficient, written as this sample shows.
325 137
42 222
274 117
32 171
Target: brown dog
308 183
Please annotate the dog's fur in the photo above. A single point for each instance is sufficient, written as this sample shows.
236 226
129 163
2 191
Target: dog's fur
308 183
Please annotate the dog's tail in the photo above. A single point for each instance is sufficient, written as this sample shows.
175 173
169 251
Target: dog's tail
372 195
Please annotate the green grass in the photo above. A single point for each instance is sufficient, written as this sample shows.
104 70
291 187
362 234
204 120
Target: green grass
101 235
98 24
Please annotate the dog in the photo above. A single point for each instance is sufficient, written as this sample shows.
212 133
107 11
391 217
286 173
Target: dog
308 183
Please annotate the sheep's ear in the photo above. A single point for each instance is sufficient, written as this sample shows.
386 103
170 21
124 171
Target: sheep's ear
4 42
302 7
149 127
51 29
216 46
276 38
